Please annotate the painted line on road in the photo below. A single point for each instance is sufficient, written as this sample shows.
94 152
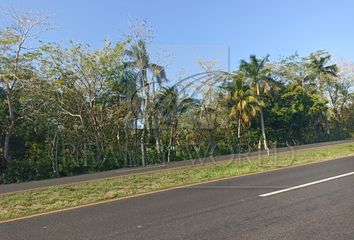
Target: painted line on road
169 189
237 187
306 185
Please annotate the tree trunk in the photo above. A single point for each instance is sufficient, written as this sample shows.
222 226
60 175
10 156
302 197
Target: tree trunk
142 146
151 130
148 112
170 144
135 139
126 155
98 138
55 160
11 126
259 145
158 137
6 148
263 133
155 133
239 129
99 149
9 131
145 116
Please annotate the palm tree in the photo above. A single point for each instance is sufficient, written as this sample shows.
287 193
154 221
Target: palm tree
140 61
244 104
319 70
320 73
258 77
172 106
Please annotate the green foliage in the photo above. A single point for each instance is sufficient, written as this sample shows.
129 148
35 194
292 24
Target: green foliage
78 110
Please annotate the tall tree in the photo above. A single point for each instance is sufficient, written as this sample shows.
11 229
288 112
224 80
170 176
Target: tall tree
80 80
259 79
172 106
243 102
337 88
319 69
140 61
16 63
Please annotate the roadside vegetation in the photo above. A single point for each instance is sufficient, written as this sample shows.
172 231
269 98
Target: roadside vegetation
68 109
31 202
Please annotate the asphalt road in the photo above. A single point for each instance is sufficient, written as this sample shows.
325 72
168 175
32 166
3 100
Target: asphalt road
323 208
7 188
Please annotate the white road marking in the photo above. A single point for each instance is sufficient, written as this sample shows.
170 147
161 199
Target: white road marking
237 187
306 185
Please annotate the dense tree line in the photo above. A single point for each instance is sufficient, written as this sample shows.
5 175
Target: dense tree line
66 110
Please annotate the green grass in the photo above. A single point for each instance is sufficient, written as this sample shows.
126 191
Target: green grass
31 202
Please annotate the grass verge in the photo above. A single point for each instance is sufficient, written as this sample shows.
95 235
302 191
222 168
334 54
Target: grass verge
26 203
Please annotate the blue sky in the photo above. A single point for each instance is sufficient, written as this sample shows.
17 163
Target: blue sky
186 31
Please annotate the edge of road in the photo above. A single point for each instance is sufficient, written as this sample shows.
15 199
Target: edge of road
169 189
70 180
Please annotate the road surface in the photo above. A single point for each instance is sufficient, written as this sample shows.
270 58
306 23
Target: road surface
7 188
314 201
